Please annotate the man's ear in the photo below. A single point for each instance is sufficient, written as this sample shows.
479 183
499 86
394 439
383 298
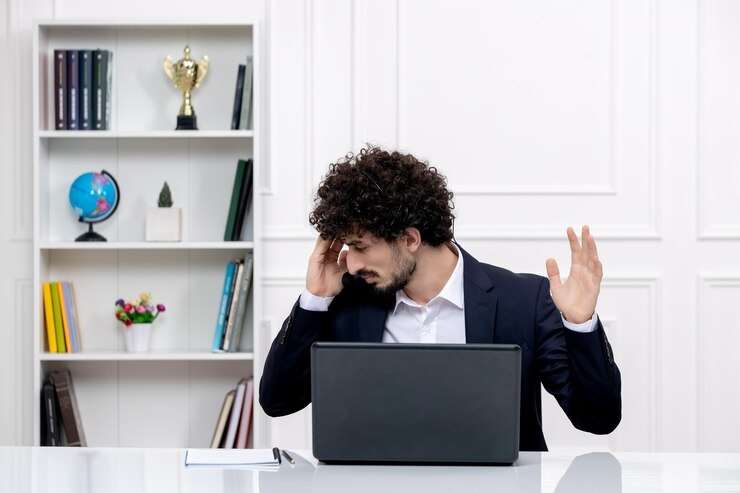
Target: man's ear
411 239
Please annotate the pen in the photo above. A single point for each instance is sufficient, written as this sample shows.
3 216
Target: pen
276 454
287 456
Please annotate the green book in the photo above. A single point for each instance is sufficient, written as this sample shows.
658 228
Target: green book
57 309
235 194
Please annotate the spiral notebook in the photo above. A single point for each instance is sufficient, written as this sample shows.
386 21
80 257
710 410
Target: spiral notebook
253 458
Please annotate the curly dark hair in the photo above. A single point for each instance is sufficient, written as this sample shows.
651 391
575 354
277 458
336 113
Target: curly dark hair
383 193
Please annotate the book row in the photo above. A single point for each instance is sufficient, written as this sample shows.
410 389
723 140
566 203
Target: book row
241 115
60 317
233 306
234 423
60 412
241 195
82 89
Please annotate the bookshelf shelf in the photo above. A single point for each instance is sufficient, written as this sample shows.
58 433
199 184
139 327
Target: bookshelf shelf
151 356
172 395
140 245
153 134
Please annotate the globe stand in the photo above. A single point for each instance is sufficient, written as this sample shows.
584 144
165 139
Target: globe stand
90 235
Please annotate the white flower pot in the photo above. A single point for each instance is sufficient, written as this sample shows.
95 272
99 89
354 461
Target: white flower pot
137 337
164 224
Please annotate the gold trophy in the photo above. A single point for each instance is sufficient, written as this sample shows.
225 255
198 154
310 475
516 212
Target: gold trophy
186 74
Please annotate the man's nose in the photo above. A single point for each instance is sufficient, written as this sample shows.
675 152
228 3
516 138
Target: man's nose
353 264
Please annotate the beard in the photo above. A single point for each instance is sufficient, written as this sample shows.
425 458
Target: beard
403 269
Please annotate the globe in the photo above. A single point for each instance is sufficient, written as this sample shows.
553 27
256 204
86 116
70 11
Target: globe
94 197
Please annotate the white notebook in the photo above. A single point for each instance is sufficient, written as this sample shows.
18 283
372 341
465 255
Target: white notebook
263 458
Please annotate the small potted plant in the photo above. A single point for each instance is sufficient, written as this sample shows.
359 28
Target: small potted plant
164 223
137 318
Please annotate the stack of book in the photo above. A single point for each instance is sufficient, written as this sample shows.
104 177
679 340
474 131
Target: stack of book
82 89
241 115
61 320
59 410
241 195
235 419
233 307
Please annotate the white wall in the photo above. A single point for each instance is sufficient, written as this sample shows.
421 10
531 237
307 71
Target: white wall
618 113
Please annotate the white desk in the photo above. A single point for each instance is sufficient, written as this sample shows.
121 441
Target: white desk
60 470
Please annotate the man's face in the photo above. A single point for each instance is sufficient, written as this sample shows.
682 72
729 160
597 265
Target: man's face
384 265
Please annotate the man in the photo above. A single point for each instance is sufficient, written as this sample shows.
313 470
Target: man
404 279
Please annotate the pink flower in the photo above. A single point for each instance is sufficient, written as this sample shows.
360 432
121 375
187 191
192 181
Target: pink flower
140 309
128 307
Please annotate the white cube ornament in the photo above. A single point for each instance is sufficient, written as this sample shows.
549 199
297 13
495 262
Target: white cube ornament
164 224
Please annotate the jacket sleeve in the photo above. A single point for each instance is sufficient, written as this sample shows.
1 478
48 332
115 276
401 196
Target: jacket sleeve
285 386
578 369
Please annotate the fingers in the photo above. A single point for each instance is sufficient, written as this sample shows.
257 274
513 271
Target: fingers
321 245
553 273
589 245
575 246
342 260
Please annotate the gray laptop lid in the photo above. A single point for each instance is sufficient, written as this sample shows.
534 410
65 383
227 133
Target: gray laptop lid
412 403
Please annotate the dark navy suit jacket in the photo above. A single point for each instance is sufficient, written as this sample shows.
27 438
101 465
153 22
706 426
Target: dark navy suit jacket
500 307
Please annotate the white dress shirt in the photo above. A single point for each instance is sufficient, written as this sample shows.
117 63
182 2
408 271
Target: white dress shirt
441 320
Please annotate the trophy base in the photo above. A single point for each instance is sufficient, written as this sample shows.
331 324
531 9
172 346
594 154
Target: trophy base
185 122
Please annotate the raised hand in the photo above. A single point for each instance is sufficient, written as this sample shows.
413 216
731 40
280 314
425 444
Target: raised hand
326 266
576 297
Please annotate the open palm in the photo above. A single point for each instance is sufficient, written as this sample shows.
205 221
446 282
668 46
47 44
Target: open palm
576 297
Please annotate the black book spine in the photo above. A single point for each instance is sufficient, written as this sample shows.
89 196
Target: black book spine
244 199
100 86
73 90
52 435
85 94
60 89
237 110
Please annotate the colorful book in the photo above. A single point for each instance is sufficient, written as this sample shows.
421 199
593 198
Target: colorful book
237 109
51 334
58 324
222 418
65 321
231 343
231 317
60 89
236 191
244 200
245 420
224 307
68 408
73 88
235 413
245 119
71 312
85 94
75 318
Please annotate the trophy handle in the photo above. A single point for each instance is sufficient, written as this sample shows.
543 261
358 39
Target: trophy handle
202 69
169 68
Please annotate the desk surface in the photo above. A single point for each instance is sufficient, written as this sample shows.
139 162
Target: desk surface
41 470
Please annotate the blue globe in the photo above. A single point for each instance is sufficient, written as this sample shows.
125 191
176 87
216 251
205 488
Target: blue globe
94 196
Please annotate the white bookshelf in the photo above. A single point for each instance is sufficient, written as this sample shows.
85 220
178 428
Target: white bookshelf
170 396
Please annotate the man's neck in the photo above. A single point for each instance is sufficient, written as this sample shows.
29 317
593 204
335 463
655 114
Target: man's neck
434 266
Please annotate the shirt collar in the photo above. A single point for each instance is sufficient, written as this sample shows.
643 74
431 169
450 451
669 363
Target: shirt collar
452 291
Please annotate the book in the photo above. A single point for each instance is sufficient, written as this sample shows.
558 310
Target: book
101 84
58 324
245 118
231 317
222 418
231 343
75 318
244 200
50 433
229 314
234 203
73 87
224 306
71 311
60 89
241 387
245 420
68 408
51 334
237 109
65 322
85 93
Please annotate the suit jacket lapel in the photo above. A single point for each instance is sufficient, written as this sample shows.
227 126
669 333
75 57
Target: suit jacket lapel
371 320
480 301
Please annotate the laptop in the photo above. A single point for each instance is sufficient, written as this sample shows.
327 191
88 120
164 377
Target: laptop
415 403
